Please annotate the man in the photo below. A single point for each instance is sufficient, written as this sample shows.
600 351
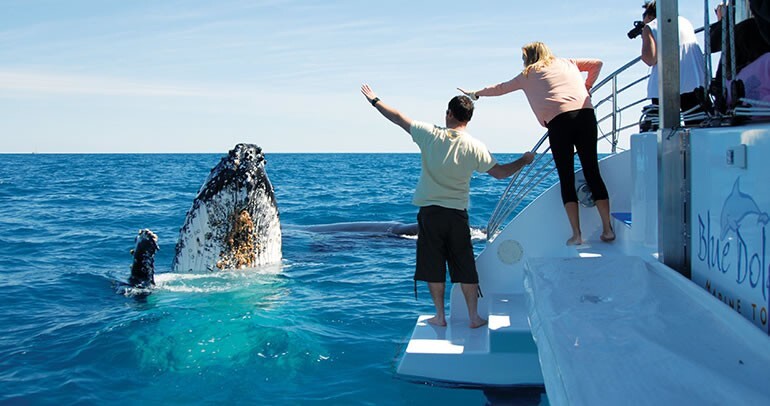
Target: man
449 158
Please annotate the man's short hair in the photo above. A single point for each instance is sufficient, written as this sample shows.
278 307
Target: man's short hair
649 9
461 108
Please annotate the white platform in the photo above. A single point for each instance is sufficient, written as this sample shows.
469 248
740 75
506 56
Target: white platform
499 354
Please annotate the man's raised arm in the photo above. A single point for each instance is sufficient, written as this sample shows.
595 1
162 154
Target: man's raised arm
390 113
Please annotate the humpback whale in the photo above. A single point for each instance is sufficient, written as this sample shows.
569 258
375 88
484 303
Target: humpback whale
233 222
737 206
143 267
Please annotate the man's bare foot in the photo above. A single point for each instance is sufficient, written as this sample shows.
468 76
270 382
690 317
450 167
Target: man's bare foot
575 240
478 323
437 321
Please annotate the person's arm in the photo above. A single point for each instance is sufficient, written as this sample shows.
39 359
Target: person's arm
388 112
715 30
715 36
506 170
649 51
592 67
496 90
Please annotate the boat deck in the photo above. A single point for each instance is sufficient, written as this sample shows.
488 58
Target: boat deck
613 328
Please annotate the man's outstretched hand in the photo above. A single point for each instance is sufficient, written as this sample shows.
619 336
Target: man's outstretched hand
368 92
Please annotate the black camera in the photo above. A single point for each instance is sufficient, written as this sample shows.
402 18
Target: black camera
637 30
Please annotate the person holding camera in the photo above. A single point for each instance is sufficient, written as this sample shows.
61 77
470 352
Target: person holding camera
691 62
560 99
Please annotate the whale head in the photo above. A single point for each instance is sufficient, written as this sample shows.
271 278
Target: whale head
143 267
233 222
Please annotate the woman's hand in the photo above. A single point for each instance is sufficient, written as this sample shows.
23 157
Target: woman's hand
472 95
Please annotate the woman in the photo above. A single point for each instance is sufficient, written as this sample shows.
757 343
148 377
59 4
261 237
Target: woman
559 97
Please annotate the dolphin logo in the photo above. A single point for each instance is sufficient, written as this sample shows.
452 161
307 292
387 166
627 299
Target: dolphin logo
737 206
233 222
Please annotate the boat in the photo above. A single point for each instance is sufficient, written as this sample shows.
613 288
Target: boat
674 311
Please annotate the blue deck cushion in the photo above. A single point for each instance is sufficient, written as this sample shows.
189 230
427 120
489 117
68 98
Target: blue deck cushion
624 217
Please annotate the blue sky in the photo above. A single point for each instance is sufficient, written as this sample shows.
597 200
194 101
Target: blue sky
201 76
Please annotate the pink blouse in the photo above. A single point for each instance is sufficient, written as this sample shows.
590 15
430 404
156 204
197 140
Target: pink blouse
555 89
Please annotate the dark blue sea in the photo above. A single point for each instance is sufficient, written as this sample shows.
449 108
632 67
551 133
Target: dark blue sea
328 328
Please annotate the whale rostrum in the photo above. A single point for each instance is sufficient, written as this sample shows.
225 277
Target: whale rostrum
233 222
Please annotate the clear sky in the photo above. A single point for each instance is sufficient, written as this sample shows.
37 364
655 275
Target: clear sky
201 76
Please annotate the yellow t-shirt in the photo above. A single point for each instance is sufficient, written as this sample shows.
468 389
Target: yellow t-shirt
449 158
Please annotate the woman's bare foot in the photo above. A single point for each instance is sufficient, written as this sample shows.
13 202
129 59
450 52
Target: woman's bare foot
608 236
478 322
575 240
437 321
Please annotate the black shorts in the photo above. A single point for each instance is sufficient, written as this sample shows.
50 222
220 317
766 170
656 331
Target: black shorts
444 237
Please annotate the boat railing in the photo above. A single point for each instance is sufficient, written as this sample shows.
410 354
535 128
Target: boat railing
751 107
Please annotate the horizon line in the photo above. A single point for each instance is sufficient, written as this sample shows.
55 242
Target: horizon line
202 153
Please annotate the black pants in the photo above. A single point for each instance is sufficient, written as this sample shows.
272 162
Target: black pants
570 131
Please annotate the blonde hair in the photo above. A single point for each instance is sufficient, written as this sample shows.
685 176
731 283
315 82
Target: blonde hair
536 56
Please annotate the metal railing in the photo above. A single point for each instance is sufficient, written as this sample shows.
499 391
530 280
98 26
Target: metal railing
758 108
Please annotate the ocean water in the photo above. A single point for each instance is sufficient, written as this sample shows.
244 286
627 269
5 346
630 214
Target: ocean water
326 326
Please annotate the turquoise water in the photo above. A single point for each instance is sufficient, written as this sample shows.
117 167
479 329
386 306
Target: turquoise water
326 326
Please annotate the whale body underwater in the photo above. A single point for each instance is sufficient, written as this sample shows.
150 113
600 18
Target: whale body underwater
234 223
